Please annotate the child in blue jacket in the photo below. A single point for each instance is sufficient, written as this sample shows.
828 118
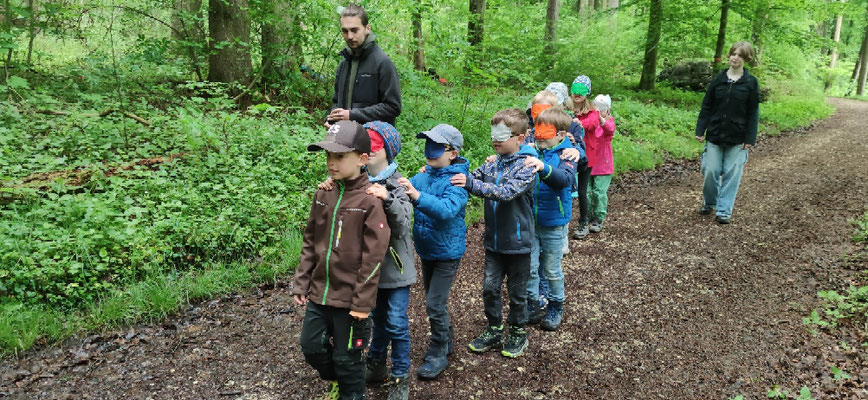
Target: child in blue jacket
552 211
439 235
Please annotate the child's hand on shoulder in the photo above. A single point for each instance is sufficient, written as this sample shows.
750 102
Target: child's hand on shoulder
379 191
459 180
411 191
327 185
572 154
422 169
358 314
490 159
534 162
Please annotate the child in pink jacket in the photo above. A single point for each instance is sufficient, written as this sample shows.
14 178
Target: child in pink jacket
602 166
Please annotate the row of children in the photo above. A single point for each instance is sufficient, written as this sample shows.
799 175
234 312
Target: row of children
357 257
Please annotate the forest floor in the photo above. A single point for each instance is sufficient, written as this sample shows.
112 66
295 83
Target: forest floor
663 303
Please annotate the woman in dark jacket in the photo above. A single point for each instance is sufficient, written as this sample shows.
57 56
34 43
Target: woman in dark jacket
728 125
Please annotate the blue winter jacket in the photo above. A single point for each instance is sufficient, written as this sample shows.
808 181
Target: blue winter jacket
507 187
438 227
553 203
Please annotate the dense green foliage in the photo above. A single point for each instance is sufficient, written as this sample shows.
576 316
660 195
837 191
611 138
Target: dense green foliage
105 220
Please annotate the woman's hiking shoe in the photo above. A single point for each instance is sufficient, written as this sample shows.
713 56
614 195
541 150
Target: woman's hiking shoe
707 209
492 336
596 226
398 388
376 371
724 219
515 343
554 316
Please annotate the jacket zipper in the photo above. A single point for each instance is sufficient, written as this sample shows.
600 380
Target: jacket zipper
325 292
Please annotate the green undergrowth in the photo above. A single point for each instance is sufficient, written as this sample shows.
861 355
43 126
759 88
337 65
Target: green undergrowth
105 221
849 306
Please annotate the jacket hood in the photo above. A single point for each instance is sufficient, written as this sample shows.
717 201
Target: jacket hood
363 50
565 144
459 166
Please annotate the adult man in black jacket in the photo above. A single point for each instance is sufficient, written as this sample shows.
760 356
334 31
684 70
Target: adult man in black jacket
366 84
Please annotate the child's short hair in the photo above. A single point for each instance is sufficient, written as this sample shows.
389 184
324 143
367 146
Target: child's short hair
546 97
514 119
557 117
744 50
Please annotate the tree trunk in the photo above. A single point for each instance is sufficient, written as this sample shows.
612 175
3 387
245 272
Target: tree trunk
476 23
614 3
649 67
229 23
551 39
419 53
721 32
860 87
31 30
761 14
281 41
836 37
598 5
186 24
577 6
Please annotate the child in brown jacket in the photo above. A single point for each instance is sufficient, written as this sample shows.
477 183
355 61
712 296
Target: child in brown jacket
346 238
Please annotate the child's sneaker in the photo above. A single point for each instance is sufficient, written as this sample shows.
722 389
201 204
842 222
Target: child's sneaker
490 337
376 371
334 391
535 311
399 388
707 209
582 231
596 226
516 342
554 316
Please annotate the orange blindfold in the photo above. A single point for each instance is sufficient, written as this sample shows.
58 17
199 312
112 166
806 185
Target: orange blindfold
536 109
545 131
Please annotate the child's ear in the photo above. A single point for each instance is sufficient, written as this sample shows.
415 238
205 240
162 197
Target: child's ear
363 159
454 155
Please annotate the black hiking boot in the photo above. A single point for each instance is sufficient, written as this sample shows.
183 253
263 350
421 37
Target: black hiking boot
492 336
376 371
516 342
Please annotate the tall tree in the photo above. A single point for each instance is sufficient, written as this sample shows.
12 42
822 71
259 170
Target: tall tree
280 41
863 68
552 11
476 23
188 30
758 23
229 23
186 24
721 31
652 44
836 37
419 53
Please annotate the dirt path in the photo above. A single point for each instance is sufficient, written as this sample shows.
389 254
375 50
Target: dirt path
664 303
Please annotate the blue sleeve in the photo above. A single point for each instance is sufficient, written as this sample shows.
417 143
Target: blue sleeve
442 208
578 133
560 176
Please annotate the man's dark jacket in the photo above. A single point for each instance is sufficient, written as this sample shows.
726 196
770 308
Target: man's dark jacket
730 111
377 92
